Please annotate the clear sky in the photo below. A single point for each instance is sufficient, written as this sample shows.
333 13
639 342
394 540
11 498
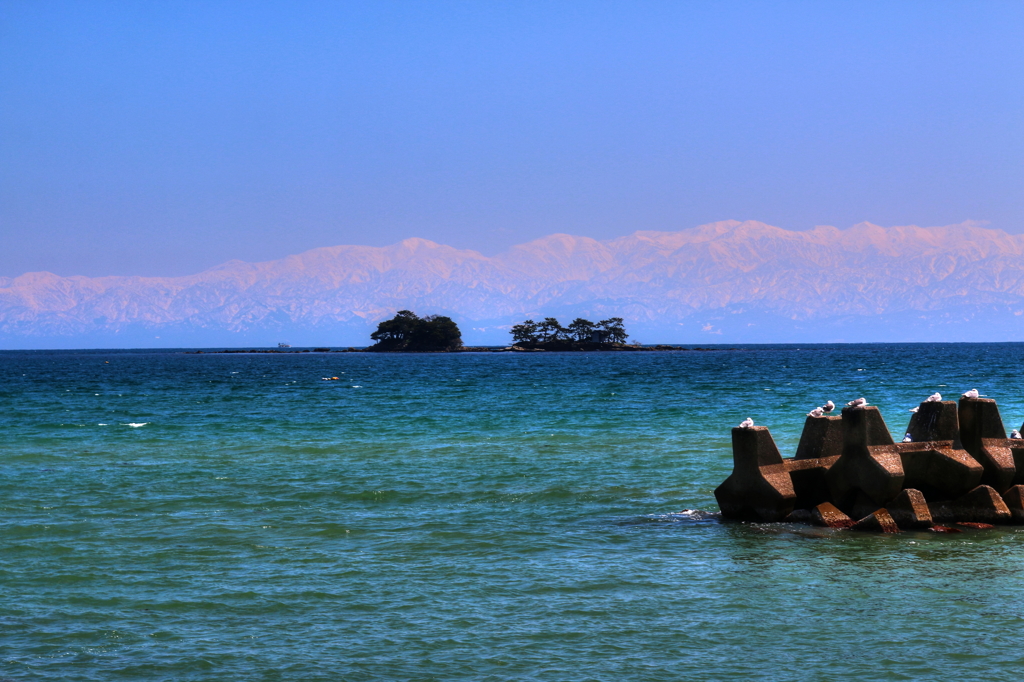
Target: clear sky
162 138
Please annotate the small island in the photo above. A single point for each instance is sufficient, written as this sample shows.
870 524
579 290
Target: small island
407 332
580 335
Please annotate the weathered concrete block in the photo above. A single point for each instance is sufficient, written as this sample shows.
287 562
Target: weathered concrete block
981 505
826 514
759 488
909 510
820 445
997 458
809 480
1016 447
870 464
1014 499
935 462
935 421
879 521
983 436
861 506
939 470
799 516
821 438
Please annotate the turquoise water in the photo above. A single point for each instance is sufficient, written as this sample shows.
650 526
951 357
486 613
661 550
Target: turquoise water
470 517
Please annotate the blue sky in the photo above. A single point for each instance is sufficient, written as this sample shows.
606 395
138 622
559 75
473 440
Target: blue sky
163 138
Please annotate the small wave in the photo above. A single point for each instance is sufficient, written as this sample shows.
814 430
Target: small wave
697 515
135 425
684 516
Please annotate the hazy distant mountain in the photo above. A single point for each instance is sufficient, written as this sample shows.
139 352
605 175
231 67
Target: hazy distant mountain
723 282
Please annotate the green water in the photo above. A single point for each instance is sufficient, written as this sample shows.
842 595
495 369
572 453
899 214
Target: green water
470 517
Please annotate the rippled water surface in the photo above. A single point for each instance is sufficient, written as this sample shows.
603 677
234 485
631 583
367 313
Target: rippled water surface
170 516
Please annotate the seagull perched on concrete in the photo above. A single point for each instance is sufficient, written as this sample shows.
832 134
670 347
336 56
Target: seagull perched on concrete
1015 434
914 409
816 412
934 398
859 402
828 407
973 393
907 438
747 423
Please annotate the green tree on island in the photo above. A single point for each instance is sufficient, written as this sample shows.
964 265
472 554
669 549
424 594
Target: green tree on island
525 332
613 330
581 330
579 334
406 331
550 330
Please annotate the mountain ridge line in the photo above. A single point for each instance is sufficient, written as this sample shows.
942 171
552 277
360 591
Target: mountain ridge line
747 270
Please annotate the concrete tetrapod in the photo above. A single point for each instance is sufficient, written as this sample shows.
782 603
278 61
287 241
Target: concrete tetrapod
909 510
821 444
981 505
826 514
1016 446
870 468
938 469
983 436
879 520
759 488
1014 499
934 462
935 421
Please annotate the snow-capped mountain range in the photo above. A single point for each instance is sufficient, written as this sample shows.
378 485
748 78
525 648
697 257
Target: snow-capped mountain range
727 282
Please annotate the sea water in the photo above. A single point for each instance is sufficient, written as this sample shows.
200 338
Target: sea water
174 516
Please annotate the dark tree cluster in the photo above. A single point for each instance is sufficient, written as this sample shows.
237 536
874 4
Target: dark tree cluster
406 331
550 331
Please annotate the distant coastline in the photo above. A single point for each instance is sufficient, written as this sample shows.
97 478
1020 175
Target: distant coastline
583 347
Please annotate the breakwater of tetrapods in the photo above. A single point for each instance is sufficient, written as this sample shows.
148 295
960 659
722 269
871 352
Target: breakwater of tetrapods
955 467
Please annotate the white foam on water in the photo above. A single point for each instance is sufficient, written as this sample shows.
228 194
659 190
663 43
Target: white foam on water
697 515
135 425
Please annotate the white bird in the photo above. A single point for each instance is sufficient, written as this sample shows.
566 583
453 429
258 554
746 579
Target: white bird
747 423
1015 434
973 393
829 406
914 409
934 398
907 438
859 402
816 412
